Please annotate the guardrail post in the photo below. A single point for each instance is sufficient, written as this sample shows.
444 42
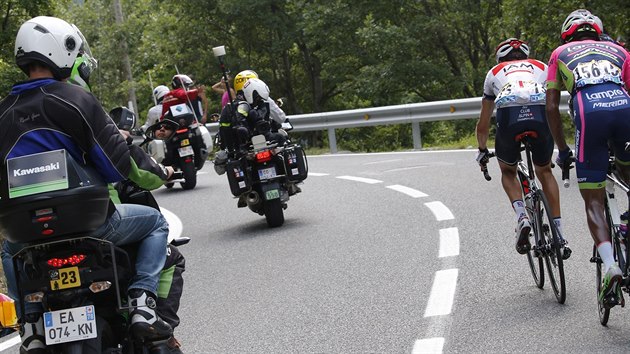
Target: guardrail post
332 140
416 134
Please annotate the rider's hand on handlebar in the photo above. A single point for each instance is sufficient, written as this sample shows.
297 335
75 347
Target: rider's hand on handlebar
483 156
169 172
564 157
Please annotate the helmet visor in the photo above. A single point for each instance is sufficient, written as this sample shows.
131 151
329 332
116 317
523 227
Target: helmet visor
85 52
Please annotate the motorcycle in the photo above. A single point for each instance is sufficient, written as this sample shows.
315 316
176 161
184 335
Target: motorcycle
183 144
79 281
264 177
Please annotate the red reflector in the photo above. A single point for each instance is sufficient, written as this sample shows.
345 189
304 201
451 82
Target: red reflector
47 232
72 260
263 156
44 218
180 131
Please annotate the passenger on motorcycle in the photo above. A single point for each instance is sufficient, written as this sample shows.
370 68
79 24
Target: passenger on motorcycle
45 114
516 86
155 112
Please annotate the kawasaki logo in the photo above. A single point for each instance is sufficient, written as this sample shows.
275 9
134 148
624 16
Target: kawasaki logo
29 171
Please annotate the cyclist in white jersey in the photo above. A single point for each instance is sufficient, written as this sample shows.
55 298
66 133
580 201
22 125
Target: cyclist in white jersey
516 87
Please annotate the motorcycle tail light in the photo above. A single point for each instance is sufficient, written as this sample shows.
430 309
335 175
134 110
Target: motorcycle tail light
61 262
99 286
34 297
263 156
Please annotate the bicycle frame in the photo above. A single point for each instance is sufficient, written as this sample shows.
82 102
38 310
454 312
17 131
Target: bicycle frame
614 219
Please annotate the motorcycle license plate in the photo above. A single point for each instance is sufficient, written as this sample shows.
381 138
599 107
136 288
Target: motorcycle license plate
64 278
267 173
185 151
70 325
185 142
272 194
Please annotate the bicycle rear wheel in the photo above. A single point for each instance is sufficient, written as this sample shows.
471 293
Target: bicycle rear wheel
604 312
553 251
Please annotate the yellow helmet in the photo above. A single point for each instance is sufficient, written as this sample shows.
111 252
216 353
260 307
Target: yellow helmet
242 77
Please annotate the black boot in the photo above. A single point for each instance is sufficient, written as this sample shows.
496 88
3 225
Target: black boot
145 322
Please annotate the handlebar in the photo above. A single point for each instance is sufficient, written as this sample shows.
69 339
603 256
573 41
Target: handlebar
484 166
565 171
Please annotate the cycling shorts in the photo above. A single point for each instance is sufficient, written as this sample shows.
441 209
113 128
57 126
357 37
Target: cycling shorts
602 119
512 121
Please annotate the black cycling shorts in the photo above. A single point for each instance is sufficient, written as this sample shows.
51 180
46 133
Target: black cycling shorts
512 121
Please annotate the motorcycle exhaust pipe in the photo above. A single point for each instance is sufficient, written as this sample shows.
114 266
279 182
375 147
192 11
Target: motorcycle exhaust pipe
253 198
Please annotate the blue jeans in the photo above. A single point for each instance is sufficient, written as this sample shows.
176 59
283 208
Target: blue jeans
130 223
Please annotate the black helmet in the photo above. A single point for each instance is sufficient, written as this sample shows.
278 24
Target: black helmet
124 118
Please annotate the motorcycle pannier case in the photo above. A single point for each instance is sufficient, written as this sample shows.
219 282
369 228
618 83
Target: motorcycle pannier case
237 176
48 195
295 163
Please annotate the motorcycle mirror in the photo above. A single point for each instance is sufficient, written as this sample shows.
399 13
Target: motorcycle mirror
218 51
163 130
287 125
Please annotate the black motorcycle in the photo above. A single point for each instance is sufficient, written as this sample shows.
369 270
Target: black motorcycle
265 176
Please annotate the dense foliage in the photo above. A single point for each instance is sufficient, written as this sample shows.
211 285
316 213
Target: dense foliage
320 55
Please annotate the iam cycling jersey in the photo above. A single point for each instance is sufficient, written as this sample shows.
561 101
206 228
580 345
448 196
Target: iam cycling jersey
516 83
594 72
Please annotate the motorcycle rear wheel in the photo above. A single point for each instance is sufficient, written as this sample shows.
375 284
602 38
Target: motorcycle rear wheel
273 212
190 176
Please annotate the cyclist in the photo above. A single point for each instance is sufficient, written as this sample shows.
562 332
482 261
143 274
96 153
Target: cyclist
594 72
516 86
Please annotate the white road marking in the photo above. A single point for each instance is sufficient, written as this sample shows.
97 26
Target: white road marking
429 345
442 293
449 242
384 161
10 342
408 191
440 211
404 169
318 174
175 226
360 179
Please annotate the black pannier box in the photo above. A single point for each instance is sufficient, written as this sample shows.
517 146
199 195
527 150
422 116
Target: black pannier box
295 163
237 177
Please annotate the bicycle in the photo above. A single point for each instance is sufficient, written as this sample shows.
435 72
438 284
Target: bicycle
620 251
548 244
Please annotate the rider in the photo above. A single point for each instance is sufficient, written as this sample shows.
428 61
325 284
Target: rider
594 73
155 112
67 117
516 86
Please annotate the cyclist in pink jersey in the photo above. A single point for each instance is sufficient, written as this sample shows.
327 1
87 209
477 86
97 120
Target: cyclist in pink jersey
595 73
516 87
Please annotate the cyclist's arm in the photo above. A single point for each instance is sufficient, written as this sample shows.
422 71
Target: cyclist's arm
553 118
483 125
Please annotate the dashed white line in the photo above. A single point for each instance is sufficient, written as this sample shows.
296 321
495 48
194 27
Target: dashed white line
408 191
428 345
449 242
9 343
440 211
442 293
360 179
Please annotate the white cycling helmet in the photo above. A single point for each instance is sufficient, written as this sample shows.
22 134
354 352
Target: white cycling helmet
507 46
51 41
159 92
255 88
181 79
580 20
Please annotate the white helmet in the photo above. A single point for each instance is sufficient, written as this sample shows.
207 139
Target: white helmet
51 41
181 79
159 92
578 19
255 88
507 46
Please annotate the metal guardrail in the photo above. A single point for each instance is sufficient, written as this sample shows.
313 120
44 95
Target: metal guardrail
414 113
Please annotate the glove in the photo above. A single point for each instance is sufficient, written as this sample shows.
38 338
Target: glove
482 157
563 157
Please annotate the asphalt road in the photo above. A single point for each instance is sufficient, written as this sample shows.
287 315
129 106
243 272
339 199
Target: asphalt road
381 253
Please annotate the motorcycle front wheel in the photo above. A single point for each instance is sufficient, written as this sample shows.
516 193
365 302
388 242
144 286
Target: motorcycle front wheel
273 212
